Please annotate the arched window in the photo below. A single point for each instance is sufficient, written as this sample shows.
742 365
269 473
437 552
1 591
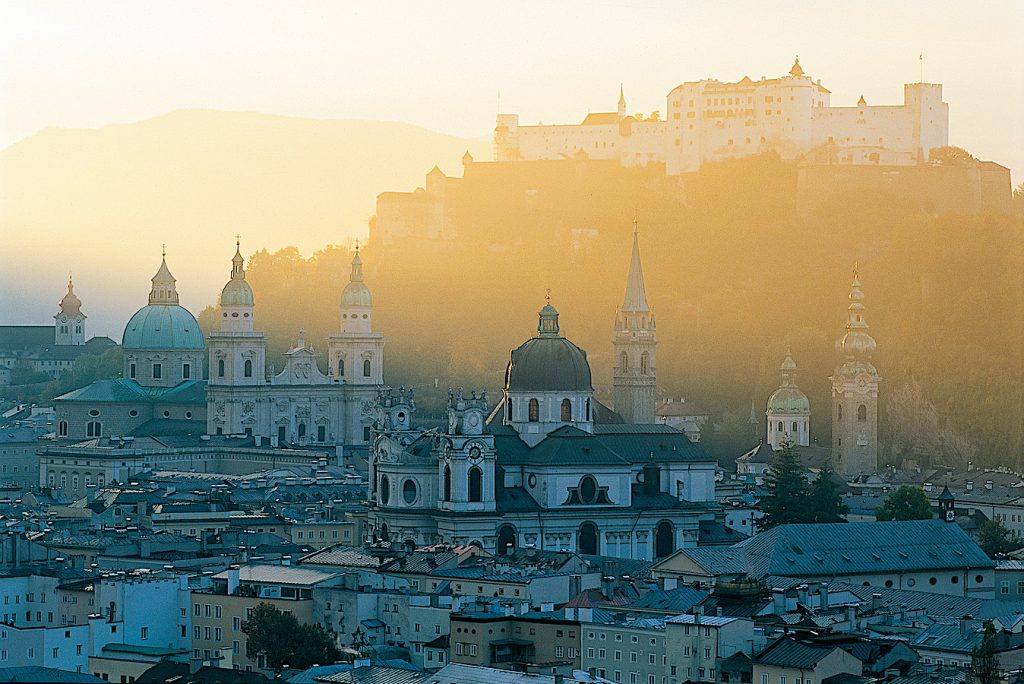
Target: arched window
506 540
248 368
220 368
589 417
566 411
623 362
862 413
384 532
794 427
385 489
664 539
366 368
94 429
447 493
534 411
508 403
302 430
587 541
839 411
341 368
409 491
643 363
780 428
282 433
476 483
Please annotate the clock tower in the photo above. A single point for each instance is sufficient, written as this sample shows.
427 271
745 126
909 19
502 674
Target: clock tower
70 322
947 505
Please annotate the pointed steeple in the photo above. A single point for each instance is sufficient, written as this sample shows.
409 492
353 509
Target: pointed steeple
357 267
635 300
237 262
164 290
622 102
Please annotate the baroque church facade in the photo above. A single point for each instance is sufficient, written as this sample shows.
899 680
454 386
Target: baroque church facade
547 466
299 405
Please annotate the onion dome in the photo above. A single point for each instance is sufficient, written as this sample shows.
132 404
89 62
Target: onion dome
70 304
548 362
163 324
356 294
788 399
237 292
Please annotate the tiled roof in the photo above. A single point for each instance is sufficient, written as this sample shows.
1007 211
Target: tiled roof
787 652
950 636
346 556
674 600
32 673
708 620
376 674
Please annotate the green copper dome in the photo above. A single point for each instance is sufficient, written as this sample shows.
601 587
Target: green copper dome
788 400
237 293
162 326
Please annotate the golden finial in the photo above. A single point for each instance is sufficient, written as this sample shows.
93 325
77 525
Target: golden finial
357 246
238 240
548 295
635 223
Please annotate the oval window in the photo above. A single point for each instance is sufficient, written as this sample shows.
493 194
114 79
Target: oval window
94 413
133 413
409 491
385 489
588 489
532 480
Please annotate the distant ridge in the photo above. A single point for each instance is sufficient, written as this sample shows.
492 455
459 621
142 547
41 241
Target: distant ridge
93 199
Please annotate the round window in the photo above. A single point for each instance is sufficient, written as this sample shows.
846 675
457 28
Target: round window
133 413
888 584
474 452
911 582
246 314
94 413
344 315
932 581
385 489
225 314
188 414
409 491
979 579
234 315
588 489
532 480
167 414
364 316
954 579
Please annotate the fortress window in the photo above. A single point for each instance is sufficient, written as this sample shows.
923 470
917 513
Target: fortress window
475 484
862 413
566 411
248 368
366 368
220 368
623 362
534 415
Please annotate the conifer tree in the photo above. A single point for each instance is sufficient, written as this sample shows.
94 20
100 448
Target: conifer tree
826 503
984 667
787 497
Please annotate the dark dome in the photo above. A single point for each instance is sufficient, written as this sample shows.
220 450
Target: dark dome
548 364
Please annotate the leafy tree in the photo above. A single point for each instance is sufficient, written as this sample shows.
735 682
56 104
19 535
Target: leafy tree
906 503
951 154
24 373
984 667
282 640
825 501
787 497
996 540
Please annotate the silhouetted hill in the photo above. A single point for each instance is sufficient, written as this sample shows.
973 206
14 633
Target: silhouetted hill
101 201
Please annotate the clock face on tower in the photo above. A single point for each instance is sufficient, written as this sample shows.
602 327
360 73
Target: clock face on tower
950 515
474 454
63 318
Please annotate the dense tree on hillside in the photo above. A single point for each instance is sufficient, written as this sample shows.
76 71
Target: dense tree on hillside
728 262
996 540
786 500
951 154
906 503
282 640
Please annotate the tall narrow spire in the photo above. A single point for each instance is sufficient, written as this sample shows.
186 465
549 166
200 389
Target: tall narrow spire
357 266
636 296
237 262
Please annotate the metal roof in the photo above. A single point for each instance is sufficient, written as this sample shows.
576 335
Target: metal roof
278 574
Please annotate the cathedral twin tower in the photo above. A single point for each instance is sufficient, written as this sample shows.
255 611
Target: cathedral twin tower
634 381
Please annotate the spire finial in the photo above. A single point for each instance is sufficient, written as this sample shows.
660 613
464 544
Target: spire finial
163 250
636 229
302 338
357 246
856 270
238 240
547 295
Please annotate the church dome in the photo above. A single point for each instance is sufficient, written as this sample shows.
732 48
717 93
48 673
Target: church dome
162 326
237 293
548 362
356 294
788 400
70 304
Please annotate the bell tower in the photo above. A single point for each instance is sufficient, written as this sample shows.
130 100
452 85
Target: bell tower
855 393
634 378
70 322
356 353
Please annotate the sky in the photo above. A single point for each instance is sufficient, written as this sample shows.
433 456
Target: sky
442 65
451 66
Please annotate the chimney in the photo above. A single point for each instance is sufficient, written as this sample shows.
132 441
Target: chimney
608 586
851 615
559 679
966 624
823 591
876 601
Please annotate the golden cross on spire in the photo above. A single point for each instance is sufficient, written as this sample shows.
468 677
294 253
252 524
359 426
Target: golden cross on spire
548 295
238 240
357 246
635 222
163 250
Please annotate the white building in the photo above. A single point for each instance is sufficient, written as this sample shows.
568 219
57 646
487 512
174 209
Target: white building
299 405
710 121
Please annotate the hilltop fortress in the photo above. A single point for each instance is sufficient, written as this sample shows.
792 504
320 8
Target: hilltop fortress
710 120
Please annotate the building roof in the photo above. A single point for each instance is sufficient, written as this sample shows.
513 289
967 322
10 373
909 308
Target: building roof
670 601
126 390
547 364
707 620
600 119
33 673
377 674
25 337
278 574
347 557
788 652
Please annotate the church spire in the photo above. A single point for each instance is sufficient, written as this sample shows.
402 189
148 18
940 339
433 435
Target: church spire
622 102
636 296
237 262
856 341
70 304
357 267
164 290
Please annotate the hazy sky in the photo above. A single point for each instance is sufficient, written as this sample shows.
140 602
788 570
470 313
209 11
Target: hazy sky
441 65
